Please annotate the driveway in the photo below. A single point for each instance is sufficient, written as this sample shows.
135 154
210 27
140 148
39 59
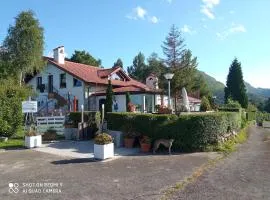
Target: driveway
80 149
243 175
46 176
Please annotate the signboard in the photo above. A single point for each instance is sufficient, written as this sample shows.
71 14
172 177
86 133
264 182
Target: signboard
29 106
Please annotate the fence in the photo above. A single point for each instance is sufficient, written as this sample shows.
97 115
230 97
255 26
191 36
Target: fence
53 122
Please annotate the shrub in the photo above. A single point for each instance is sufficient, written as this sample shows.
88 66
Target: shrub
32 131
191 132
205 104
50 134
11 97
91 117
103 138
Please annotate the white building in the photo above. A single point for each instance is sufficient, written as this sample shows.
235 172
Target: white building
65 85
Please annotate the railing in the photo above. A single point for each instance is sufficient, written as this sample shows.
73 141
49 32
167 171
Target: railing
54 122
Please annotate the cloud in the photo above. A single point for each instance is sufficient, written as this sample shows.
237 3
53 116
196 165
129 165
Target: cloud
232 12
235 28
169 1
187 29
208 6
154 19
137 13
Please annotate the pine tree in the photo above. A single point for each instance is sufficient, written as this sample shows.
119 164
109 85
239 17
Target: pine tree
109 98
24 44
137 70
173 47
235 87
118 63
85 57
127 101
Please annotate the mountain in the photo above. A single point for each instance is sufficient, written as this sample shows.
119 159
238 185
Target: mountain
255 95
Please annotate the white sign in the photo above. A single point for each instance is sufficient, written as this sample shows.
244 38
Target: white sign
29 106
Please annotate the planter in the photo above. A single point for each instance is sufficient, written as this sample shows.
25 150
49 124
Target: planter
129 142
3 139
33 141
103 151
145 147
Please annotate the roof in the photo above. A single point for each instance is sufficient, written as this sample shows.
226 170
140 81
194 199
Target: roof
193 100
92 74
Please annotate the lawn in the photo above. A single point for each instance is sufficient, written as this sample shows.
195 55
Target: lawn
16 141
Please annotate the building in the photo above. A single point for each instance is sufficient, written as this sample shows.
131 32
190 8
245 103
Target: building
64 86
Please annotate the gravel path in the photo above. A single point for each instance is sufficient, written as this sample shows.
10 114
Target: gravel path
244 174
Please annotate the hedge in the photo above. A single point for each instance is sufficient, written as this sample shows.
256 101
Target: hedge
193 132
91 117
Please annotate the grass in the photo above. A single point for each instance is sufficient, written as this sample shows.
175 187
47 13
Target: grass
16 141
231 144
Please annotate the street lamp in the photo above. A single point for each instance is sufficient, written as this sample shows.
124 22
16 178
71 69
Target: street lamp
169 77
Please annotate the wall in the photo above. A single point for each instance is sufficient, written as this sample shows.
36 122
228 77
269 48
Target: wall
52 70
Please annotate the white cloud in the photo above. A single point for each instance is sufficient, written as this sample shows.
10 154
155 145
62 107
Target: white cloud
187 29
208 6
235 28
137 13
154 19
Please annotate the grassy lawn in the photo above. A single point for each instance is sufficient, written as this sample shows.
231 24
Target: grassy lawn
16 141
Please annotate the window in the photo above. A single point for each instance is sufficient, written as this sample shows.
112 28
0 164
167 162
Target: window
77 83
63 83
39 82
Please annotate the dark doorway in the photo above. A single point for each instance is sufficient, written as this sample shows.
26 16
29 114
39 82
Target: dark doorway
50 83
101 101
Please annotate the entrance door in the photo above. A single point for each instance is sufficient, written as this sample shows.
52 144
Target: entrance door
101 101
50 83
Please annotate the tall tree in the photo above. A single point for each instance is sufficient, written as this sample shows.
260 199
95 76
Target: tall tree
85 58
24 45
109 98
118 63
267 105
173 47
128 100
235 87
137 70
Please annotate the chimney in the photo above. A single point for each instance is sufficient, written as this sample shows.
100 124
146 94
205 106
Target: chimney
59 55
152 81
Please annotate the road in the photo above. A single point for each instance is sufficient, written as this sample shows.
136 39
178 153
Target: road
245 174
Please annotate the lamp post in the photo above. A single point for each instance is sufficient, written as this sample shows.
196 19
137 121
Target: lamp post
169 77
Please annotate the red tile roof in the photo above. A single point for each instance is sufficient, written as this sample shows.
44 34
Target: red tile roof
91 74
193 100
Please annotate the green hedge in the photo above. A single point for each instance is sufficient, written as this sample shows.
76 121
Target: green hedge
91 117
193 132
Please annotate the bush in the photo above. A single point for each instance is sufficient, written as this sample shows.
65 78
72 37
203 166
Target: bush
205 104
91 117
50 134
11 97
191 132
103 138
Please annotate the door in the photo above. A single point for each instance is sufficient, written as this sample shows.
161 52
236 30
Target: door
50 83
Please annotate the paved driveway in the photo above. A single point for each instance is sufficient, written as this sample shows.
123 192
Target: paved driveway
80 149
243 175
46 176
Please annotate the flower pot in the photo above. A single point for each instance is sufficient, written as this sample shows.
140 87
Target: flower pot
145 147
129 142
103 151
33 141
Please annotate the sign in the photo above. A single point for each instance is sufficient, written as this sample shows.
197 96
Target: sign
29 106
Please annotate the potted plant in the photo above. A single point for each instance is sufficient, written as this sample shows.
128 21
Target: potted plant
103 146
32 138
131 107
129 135
145 142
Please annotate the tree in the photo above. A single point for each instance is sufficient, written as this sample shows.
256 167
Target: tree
137 70
118 63
201 86
109 98
173 47
205 104
24 45
235 87
128 100
267 106
85 58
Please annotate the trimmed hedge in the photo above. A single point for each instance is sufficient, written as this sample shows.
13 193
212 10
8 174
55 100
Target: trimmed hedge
193 132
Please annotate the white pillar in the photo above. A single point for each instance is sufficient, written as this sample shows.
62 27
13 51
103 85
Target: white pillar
153 103
143 104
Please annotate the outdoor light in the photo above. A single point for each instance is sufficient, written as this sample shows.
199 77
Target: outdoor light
169 77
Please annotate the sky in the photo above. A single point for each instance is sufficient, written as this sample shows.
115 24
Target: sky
216 31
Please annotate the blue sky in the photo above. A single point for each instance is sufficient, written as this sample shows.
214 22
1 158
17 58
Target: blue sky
215 30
